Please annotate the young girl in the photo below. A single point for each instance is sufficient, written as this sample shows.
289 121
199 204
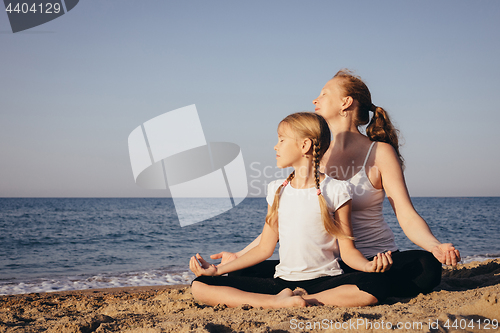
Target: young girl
299 215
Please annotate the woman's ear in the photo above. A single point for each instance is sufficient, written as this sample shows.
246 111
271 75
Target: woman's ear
306 146
347 102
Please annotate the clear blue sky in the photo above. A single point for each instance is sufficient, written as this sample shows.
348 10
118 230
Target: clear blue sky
73 89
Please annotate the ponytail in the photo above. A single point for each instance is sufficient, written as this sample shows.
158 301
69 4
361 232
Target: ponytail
381 129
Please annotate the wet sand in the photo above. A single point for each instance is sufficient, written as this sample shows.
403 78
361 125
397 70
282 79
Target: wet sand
468 298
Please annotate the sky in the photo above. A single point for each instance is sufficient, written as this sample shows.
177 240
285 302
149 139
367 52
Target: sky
73 89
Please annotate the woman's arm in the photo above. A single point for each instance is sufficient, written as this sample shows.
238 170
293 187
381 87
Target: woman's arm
257 254
413 225
350 255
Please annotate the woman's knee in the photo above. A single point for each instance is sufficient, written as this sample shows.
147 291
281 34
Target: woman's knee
370 300
361 297
432 268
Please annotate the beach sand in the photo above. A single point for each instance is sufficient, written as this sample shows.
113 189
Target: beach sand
468 297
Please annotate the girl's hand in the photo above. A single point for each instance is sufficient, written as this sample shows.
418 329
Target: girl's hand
446 254
224 256
204 269
382 262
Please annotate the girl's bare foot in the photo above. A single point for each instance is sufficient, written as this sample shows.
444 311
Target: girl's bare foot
286 299
300 292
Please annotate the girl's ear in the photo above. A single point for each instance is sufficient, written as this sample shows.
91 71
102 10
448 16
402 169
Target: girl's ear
306 146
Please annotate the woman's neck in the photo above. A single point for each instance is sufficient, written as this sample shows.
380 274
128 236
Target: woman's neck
343 131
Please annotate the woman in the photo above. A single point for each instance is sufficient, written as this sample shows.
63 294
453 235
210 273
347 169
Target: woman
373 165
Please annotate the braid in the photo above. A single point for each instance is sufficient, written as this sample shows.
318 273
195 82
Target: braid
330 224
272 215
316 159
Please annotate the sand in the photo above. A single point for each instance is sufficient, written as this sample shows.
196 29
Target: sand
467 298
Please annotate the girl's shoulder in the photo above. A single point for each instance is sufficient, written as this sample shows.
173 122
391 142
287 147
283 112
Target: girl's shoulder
332 183
336 192
273 185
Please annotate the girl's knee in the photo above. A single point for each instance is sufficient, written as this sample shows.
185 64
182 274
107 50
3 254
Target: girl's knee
197 289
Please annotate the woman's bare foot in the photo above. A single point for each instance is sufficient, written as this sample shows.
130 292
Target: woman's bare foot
287 299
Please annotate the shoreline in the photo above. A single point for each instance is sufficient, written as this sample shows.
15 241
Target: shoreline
115 290
468 295
58 284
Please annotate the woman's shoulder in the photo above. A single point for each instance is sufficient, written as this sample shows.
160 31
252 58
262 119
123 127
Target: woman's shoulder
383 150
385 155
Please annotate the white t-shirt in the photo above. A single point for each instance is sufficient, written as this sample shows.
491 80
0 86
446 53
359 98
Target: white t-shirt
307 251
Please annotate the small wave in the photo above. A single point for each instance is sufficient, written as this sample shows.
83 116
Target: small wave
130 279
480 257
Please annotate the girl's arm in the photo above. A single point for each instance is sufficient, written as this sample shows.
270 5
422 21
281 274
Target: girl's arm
413 225
250 246
259 253
230 256
350 255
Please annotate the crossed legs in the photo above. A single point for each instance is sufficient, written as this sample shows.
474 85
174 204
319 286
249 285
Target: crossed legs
232 297
345 295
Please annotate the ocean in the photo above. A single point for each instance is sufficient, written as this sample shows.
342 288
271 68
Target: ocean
55 244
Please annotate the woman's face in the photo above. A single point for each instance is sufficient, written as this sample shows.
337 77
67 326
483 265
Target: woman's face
329 102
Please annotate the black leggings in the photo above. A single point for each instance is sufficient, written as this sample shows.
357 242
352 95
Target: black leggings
372 283
413 272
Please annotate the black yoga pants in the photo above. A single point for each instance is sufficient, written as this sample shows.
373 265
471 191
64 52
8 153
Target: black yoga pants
413 272
372 283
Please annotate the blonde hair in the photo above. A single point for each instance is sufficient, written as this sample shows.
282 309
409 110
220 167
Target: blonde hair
314 127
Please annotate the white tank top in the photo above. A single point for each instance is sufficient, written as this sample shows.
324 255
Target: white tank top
372 234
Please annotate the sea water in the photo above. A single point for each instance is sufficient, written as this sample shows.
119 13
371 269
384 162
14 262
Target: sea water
54 244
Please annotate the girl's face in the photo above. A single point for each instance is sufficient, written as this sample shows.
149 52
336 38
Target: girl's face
330 100
288 149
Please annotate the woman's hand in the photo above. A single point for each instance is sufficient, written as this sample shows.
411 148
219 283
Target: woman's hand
224 256
382 262
446 254
202 268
